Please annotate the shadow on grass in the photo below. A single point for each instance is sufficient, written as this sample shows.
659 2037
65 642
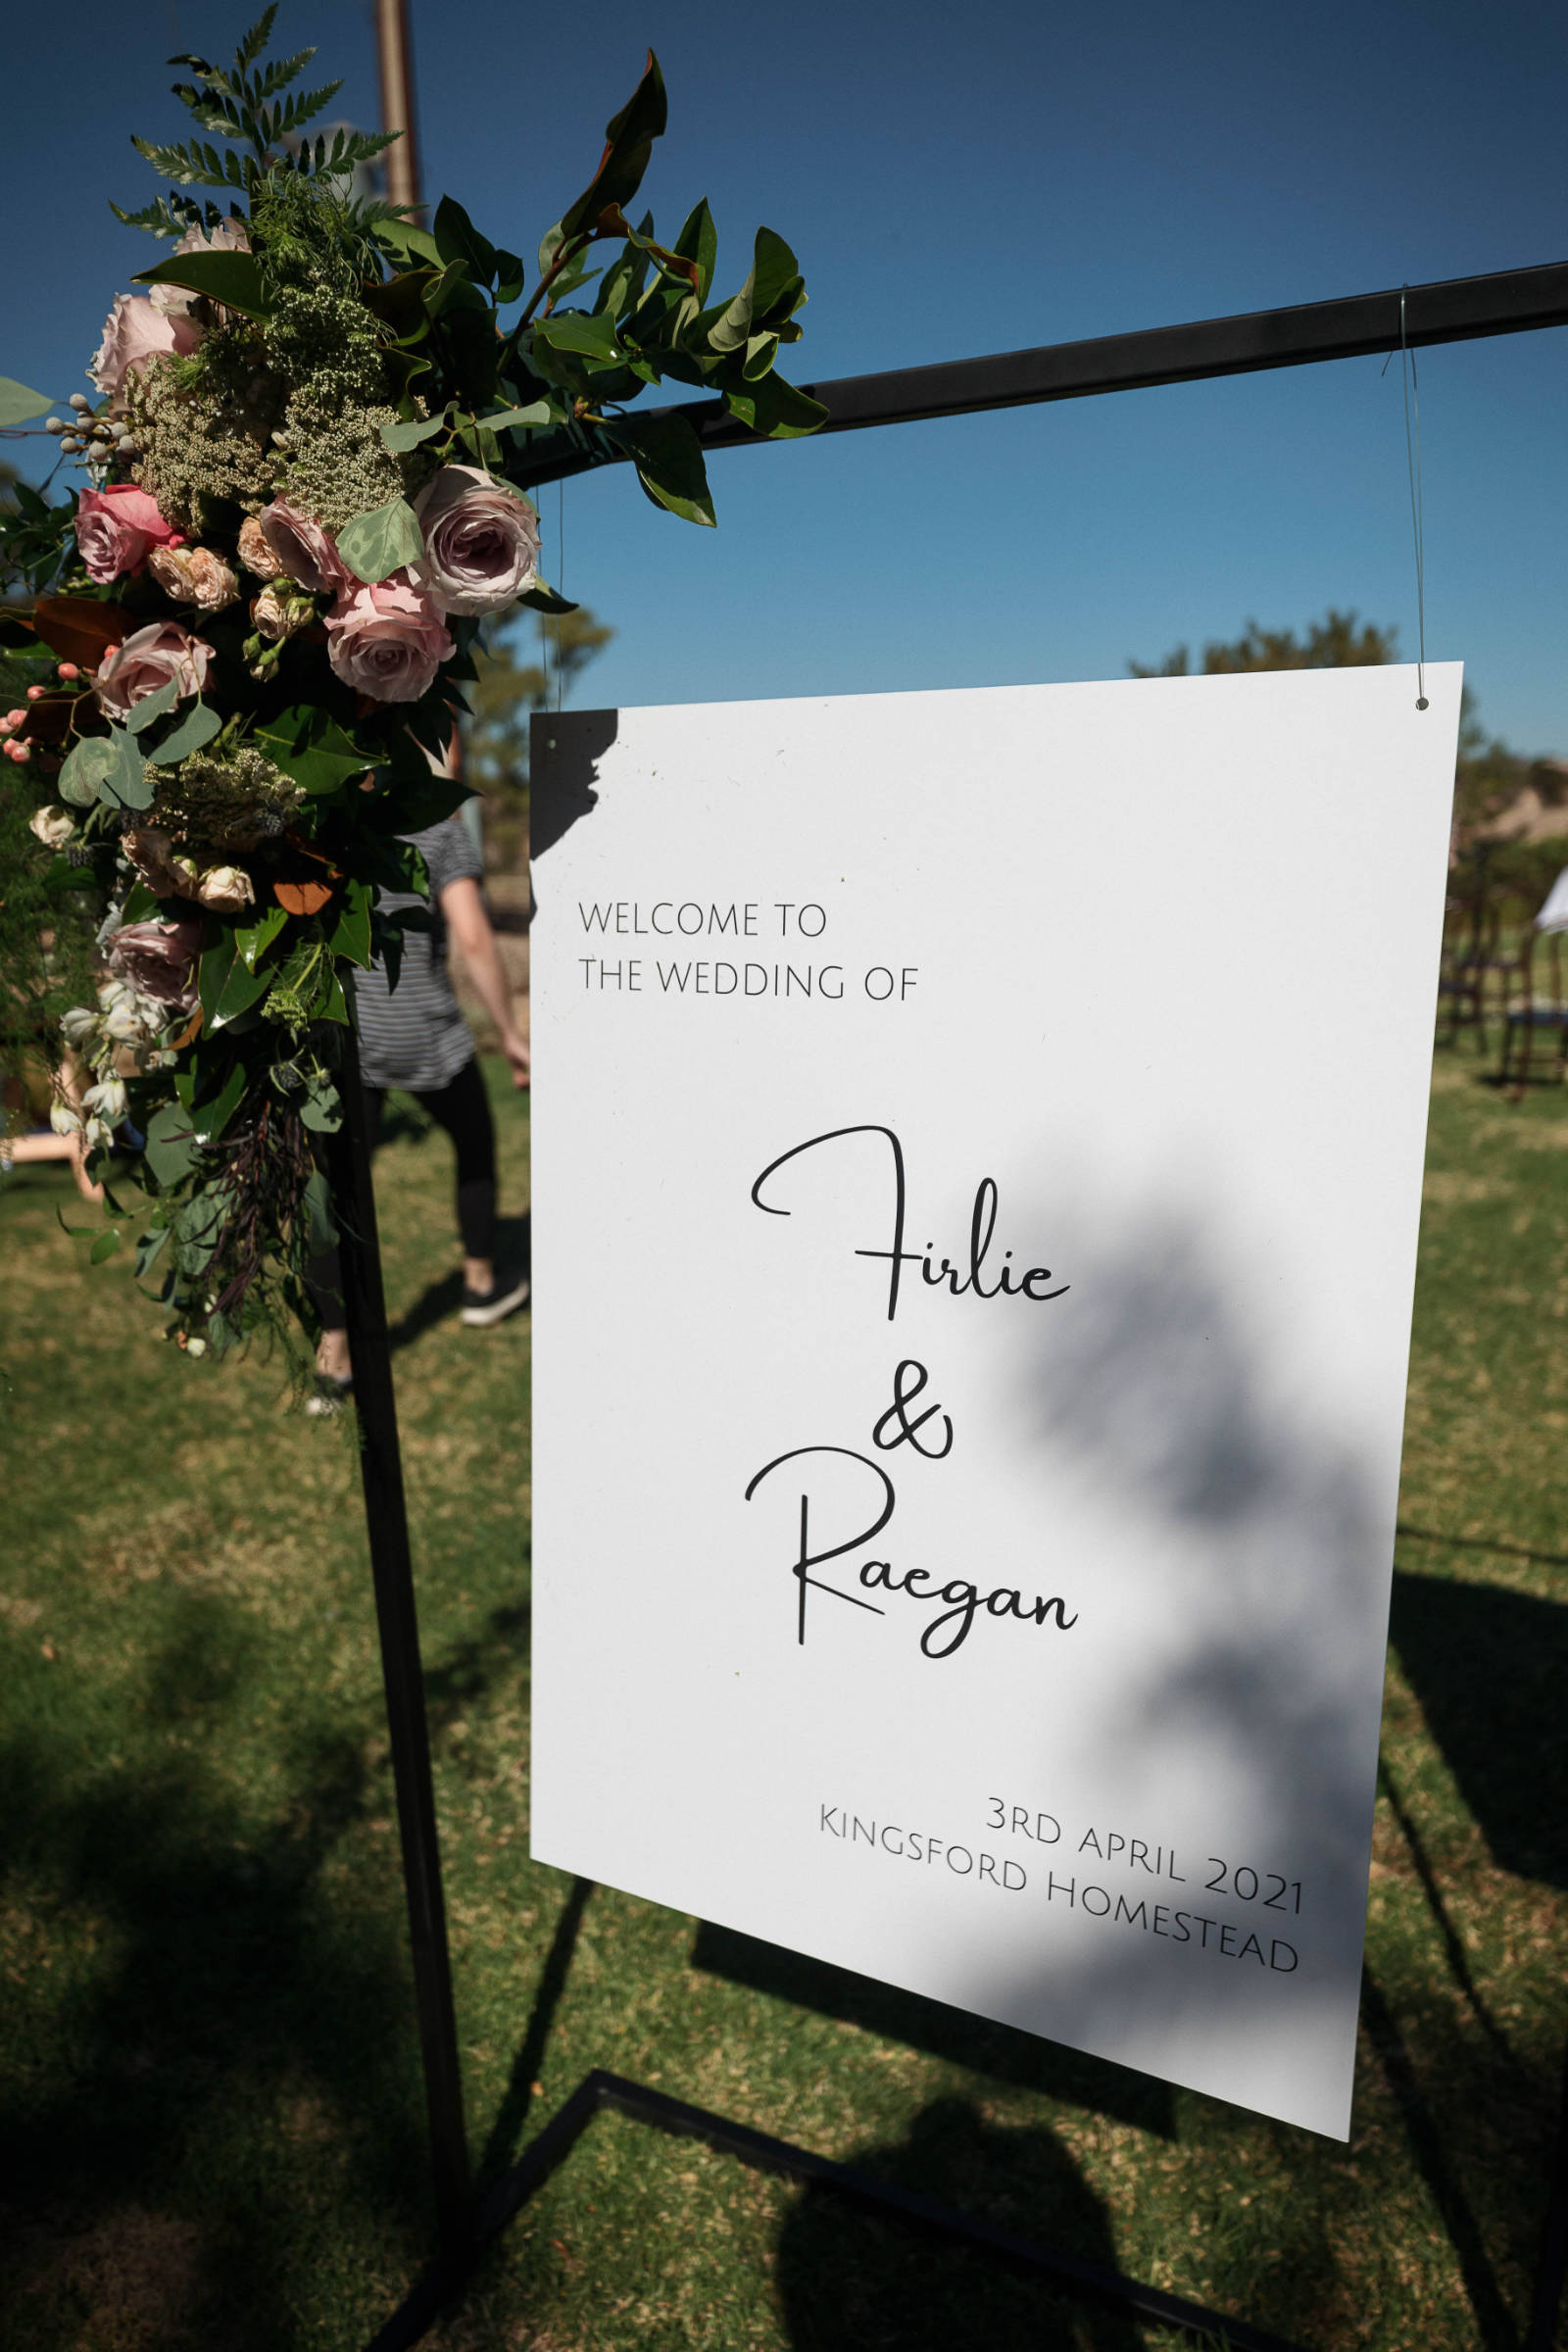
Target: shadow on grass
1004 2052
1489 1668
243 2060
440 1299
849 2278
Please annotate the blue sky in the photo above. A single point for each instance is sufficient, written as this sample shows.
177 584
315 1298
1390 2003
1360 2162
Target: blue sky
958 181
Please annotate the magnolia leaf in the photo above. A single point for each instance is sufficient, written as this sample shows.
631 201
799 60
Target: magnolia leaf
16 402
233 279
375 544
319 1210
777 409
402 437
301 898
78 628
699 242
209 1119
408 243
669 462
629 142
457 240
251 941
776 282
594 337
196 728
104 1246
542 597
153 706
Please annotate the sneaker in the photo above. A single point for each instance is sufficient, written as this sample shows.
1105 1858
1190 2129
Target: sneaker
331 1397
504 1295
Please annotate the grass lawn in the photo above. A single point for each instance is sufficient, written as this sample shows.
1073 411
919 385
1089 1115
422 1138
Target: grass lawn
212 2115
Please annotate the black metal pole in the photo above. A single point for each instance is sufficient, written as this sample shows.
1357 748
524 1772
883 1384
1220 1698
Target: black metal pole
1454 310
391 1568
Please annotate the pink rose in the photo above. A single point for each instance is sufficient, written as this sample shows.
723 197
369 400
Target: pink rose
387 640
134 333
304 550
159 960
118 528
147 661
229 236
481 540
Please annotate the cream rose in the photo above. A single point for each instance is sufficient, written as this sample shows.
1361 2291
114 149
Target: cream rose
134 333
194 576
225 889
387 640
148 660
304 550
256 550
481 541
54 828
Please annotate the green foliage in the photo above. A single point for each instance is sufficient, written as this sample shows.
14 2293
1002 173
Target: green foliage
246 107
1333 643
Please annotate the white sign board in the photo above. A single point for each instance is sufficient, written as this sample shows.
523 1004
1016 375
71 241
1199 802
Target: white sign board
978 1157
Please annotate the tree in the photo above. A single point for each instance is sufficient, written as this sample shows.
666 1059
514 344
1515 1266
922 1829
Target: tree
1333 643
495 739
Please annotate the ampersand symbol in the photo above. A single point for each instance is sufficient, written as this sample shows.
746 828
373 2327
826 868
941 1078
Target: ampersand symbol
898 1412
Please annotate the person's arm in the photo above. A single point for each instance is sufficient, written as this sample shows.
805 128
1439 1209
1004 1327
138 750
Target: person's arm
463 909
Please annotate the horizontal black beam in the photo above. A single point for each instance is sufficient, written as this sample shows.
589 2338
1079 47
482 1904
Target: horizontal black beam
1454 310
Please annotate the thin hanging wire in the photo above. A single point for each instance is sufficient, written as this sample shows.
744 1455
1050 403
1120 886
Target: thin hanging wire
1412 467
561 574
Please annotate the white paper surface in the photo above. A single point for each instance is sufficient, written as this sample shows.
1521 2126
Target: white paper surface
1141 978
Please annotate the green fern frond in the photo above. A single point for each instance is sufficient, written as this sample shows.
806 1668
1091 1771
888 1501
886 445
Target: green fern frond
252 43
302 107
184 166
280 74
164 216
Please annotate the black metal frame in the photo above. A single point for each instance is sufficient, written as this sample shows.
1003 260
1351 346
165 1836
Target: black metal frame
1455 310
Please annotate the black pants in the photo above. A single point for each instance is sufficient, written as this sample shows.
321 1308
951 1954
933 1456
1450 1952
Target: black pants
463 1108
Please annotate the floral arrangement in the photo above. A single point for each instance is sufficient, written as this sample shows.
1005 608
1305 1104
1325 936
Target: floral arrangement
244 641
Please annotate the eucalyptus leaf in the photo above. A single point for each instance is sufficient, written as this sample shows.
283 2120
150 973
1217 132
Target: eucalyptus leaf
401 437
196 728
322 1110
86 769
16 402
170 1149
126 784
375 544
536 414
153 706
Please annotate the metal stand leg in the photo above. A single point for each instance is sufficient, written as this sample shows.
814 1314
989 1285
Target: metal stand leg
386 1522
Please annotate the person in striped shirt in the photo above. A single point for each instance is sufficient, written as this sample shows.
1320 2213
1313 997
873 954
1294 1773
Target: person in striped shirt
413 1036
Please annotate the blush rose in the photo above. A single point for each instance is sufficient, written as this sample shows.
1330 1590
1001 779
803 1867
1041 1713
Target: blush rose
159 960
481 540
305 552
134 333
118 528
387 640
148 660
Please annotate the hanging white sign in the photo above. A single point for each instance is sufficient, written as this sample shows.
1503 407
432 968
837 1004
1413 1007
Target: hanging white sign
978 1157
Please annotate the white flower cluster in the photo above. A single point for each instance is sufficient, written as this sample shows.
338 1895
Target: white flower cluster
122 1024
